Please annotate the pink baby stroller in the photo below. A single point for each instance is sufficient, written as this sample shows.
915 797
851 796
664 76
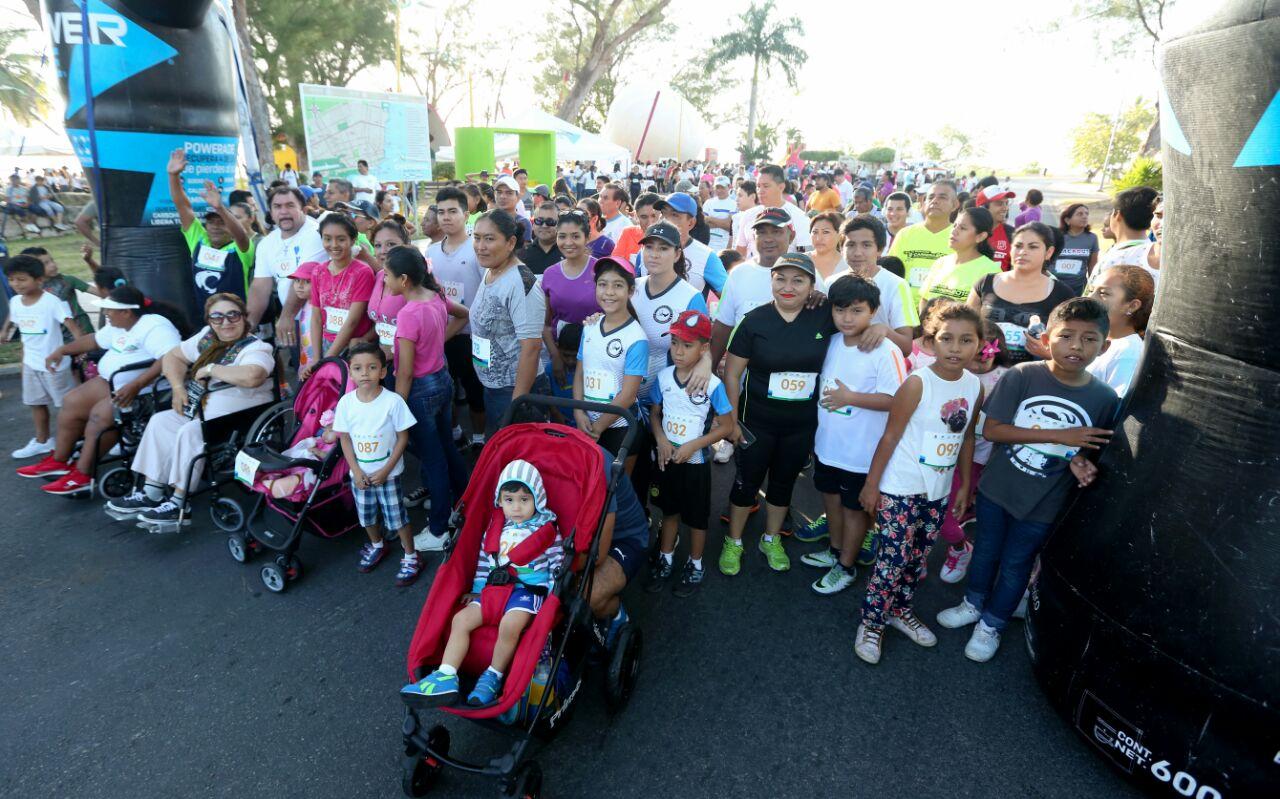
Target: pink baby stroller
324 506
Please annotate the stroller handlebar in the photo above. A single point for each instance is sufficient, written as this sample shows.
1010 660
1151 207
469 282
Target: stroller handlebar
628 440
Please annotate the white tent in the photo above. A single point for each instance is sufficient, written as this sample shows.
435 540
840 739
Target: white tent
572 142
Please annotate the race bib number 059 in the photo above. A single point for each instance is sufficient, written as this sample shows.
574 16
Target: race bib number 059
792 386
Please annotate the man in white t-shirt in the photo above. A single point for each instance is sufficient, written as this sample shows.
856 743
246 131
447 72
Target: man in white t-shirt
1128 224
295 241
864 240
719 211
366 186
845 187
611 198
290 175
770 184
750 284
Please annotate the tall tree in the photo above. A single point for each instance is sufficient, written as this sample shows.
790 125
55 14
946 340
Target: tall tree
295 42
595 38
438 62
1093 145
255 98
21 85
768 43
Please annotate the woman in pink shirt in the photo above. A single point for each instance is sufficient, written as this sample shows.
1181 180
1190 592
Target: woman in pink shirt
421 328
340 291
383 305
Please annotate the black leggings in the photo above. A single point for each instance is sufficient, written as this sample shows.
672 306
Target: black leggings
457 353
780 453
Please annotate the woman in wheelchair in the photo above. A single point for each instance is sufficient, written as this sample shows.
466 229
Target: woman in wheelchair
137 331
221 370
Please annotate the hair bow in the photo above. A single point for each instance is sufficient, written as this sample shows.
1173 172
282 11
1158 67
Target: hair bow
990 350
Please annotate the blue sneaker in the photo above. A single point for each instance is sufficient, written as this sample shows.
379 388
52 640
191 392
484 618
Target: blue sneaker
815 530
434 690
370 556
867 554
615 626
486 690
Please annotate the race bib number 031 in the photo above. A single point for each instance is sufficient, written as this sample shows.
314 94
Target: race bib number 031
599 385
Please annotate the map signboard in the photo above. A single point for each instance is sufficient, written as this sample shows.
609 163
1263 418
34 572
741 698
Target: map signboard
390 131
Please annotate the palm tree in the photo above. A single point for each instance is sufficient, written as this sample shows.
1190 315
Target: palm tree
767 43
20 81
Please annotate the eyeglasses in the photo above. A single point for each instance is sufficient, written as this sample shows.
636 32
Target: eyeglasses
230 317
543 221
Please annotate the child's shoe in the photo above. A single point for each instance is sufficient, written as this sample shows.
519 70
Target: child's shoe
410 568
961 615
659 573
913 628
983 643
867 555
822 559
486 690
868 642
774 554
731 557
690 578
437 689
33 448
815 530
370 556
956 565
48 466
834 581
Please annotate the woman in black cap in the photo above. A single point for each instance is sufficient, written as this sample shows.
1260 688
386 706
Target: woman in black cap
780 347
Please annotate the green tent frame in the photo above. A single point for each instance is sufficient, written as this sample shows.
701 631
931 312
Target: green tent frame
473 151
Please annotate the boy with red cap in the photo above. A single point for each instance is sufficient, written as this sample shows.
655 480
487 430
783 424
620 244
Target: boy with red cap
682 426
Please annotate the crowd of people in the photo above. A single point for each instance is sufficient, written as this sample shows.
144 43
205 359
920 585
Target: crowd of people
931 363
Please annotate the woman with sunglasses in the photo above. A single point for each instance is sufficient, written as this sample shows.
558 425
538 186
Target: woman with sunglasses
600 244
223 356
569 286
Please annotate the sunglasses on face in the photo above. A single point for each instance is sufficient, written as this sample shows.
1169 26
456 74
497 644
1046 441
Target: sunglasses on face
543 221
230 317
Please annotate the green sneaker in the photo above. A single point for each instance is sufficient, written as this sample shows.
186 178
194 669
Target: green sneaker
867 555
731 557
775 554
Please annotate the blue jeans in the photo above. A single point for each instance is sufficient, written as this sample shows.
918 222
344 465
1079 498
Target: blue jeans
1003 555
497 400
443 472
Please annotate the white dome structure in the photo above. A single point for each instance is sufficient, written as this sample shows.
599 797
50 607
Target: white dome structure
676 130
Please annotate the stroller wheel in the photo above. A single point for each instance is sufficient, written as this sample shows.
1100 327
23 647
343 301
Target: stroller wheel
528 785
624 667
227 515
239 548
273 577
420 770
116 482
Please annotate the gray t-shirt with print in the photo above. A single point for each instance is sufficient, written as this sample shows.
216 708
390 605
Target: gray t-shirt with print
1070 266
1032 481
505 312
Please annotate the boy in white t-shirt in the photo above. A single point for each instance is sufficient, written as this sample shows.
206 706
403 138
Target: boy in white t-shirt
38 317
373 425
857 389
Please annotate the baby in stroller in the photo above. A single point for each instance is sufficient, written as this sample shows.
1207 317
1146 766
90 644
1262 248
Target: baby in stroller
519 560
295 482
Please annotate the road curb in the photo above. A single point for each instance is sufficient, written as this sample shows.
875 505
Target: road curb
10 369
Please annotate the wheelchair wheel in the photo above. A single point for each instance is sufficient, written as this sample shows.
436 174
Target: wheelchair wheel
274 427
227 515
116 482
624 667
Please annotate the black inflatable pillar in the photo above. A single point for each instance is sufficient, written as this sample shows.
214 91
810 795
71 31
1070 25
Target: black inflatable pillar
1155 623
142 77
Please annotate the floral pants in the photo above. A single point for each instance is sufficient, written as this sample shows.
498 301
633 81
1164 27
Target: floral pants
908 527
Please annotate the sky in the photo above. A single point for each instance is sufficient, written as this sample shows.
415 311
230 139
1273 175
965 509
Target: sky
877 72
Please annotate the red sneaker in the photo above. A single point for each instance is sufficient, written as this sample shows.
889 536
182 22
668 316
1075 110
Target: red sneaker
49 467
73 482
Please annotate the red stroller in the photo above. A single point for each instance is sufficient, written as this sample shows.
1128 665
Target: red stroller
327 508
560 637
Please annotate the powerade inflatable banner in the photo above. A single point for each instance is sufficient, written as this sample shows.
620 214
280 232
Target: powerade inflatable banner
142 77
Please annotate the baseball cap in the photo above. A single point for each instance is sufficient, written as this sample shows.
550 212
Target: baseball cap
307 192
772 216
662 231
691 325
797 260
684 185
362 207
723 181
508 181
542 190
303 272
679 202
994 193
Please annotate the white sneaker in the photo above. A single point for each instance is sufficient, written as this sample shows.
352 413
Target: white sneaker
867 644
722 451
961 615
913 628
956 565
983 643
834 581
1020 612
822 559
30 228
427 541
33 448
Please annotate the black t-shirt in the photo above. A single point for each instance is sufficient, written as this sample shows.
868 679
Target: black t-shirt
538 259
1014 318
784 361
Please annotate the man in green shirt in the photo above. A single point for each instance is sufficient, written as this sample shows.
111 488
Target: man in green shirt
220 246
919 245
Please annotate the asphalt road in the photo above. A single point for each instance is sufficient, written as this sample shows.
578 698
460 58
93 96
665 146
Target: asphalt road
154 666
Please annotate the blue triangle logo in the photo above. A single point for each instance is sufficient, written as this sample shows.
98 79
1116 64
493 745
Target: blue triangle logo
1263 146
118 48
1170 130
